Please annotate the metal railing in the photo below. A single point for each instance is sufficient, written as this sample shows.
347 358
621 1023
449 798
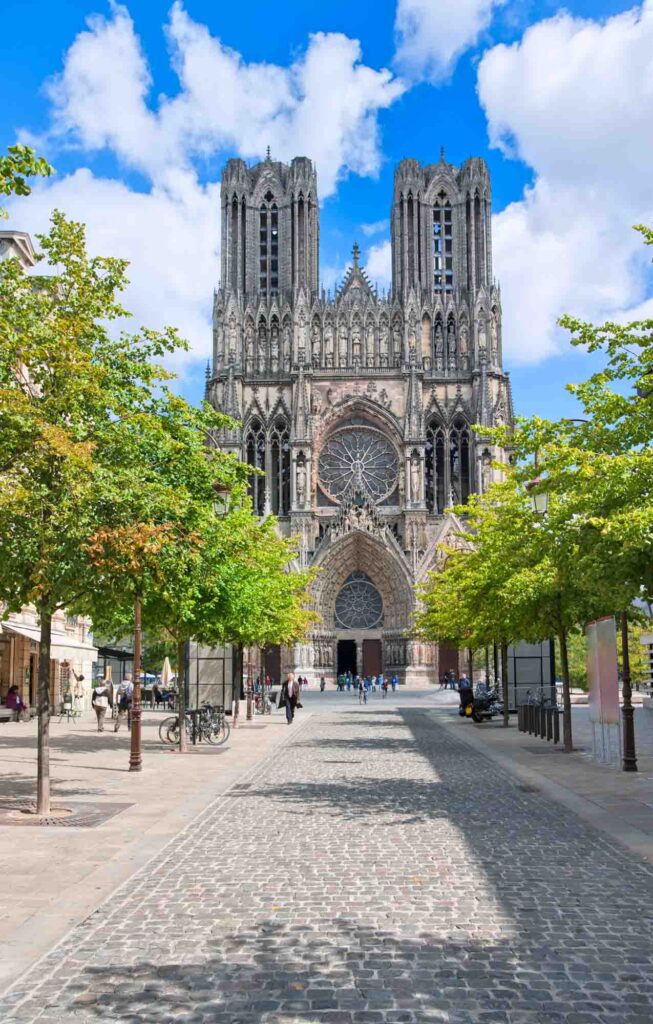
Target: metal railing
539 720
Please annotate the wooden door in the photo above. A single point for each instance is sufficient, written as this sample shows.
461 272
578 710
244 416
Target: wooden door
371 657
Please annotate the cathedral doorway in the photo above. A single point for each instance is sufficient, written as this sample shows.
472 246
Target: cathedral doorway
372 664
347 656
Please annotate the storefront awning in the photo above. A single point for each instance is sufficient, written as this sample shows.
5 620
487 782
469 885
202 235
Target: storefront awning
63 647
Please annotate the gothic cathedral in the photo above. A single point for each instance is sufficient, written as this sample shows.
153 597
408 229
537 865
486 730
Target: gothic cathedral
358 406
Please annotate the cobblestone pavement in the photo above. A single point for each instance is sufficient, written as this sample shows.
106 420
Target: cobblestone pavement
376 870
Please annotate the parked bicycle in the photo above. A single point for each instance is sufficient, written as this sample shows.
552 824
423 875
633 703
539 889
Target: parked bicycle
207 723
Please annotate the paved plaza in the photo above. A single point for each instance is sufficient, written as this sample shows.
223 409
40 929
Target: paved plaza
374 868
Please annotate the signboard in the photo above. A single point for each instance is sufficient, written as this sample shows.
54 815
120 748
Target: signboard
603 677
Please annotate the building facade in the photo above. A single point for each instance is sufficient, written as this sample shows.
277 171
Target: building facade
357 406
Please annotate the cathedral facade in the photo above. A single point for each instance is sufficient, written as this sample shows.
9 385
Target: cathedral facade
357 406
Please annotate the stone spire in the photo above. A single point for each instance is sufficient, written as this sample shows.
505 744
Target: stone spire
413 427
301 410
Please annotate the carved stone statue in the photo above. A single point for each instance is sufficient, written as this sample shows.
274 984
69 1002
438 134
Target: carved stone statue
249 345
369 345
301 484
328 343
274 347
262 346
494 338
233 338
383 344
482 337
464 345
415 479
451 344
486 471
287 347
301 337
356 343
439 347
397 345
315 344
342 345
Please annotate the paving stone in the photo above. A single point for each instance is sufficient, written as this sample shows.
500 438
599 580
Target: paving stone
417 885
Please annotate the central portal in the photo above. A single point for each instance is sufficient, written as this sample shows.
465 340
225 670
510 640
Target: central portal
347 656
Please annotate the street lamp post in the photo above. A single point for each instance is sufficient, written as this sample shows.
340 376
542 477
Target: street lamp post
629 763
135 750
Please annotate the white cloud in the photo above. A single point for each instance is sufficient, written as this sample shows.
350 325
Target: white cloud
379 264
324 105
432 34
169 238
375 228
574 100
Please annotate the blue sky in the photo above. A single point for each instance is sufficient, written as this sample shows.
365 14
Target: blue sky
138 106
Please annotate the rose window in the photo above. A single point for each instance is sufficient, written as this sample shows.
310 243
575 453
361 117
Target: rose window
358 458
359 604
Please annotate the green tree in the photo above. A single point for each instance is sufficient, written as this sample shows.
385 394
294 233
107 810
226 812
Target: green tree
68 387
20 163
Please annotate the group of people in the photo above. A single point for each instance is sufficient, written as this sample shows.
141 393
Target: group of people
449 681
362 685
106 696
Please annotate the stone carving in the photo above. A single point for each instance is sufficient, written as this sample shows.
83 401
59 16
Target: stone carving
262 346
369 357
415 479
356 349
301 484
486 471
274 347
249 345
328 344
494 338
439 346
315 344
451 344
463 345
301 337
287 345
482 337
342 345
396 345
233 338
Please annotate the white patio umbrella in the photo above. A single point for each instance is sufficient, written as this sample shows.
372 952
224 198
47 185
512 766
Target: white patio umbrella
166 673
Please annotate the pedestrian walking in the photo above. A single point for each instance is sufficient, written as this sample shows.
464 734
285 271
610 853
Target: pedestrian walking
125 696
289 697
101 701
362 694
322 683
394 682
373 684
384 688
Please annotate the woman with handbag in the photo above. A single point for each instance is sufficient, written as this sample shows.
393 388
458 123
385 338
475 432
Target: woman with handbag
289 697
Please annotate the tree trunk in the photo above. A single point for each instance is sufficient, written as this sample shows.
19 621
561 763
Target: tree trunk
43 742
471 667
181 686
566 693
505 695
136 753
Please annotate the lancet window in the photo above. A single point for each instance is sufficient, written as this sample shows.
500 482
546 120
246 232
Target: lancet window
280 468
460 462
447 465
434 471
442 244
268 246
255 455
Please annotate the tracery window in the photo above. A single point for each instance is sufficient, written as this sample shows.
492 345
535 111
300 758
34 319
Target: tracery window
460 463
358 458
255 455
434 474
359 604
442 244
268 246
280 468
